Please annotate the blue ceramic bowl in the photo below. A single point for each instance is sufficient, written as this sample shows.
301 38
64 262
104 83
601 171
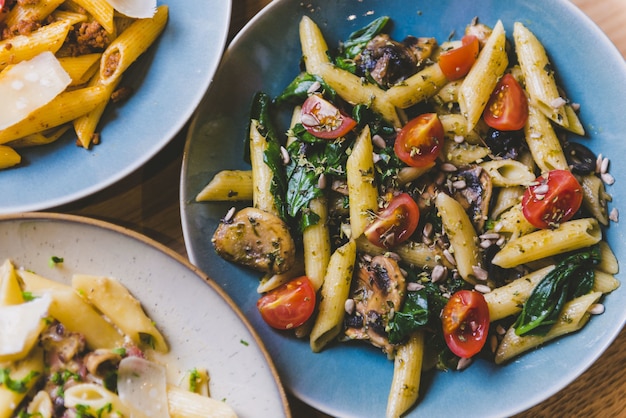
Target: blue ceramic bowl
169 81
351 380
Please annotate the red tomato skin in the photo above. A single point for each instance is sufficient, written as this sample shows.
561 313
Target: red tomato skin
419 142
395 223
507 108
323 119
558 204
465 321
289 305
457 62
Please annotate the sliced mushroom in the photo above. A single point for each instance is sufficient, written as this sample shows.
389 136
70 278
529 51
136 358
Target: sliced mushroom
256 239
387 61
378 292
100 361
473 191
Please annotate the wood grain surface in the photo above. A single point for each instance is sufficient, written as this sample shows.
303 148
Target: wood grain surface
147 201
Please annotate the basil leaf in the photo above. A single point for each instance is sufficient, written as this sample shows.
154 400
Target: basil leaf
572 277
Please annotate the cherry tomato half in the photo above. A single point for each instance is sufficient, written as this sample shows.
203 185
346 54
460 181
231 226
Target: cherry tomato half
457 62
323 119
465 320
419 142
555 199
289 305
394 224
507 108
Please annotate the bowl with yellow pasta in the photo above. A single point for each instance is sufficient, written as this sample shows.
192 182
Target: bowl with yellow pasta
440 168
97 87
101 321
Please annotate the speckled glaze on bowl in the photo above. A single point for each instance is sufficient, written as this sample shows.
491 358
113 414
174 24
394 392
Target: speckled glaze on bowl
202 325
168 81
352 380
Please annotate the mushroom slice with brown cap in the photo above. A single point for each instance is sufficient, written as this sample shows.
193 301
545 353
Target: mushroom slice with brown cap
472 188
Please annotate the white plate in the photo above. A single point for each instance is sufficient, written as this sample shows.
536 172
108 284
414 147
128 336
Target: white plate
202 325
169 81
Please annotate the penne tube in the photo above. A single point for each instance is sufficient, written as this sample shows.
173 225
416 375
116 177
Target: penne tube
507 173
569 236
31 11
228 185
419 87
80 68
115 301
130 44
543 143
261 173
62 109
21 47
464 153
73 312
355 91
316 244
314 47
482 78
507 300
102 12
407 370
462 235
608 260
539 75
333 295
362 191
455 125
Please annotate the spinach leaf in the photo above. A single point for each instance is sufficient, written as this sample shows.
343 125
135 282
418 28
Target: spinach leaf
413 316
298 90
572 277
310 157
358 39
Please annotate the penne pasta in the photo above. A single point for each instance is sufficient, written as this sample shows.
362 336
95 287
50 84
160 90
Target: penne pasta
460 231
316 244
478 84
569 236
333 295
228 185
407 369
363 194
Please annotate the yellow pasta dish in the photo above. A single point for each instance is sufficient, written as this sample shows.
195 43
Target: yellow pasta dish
424 197
61 63
90 350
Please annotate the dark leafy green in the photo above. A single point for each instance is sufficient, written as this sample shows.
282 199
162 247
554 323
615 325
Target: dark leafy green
298 90
572 277
414 315
358 39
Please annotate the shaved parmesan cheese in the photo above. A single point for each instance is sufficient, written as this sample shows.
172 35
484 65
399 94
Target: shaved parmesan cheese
142 386
29 85
20 326
139 9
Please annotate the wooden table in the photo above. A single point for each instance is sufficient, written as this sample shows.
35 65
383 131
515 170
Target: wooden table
147 201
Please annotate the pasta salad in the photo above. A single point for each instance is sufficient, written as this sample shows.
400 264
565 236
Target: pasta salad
88 350
426 197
